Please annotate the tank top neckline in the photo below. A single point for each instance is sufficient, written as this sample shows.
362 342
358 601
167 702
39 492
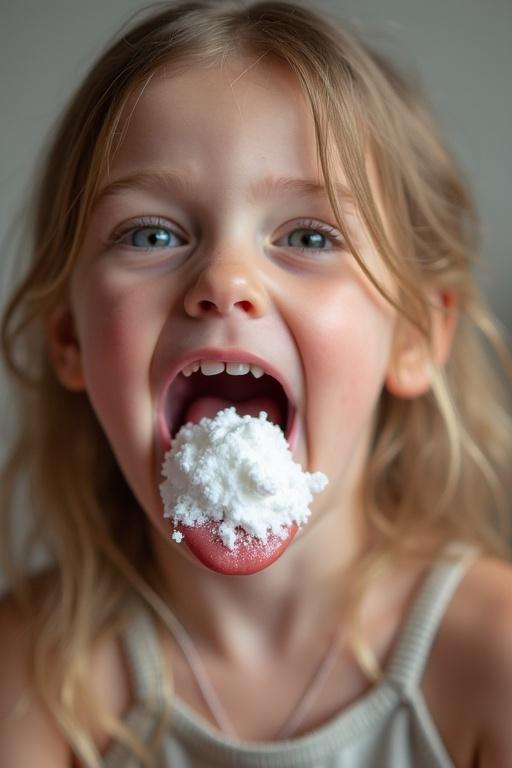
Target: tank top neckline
401 681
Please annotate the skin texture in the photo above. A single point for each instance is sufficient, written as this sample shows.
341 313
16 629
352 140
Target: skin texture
233 278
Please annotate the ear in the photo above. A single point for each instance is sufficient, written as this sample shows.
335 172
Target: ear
64 348
410 371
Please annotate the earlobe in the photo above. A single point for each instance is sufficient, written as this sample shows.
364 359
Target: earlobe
64 348
410 370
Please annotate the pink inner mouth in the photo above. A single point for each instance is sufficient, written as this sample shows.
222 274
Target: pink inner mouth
192 398
209 407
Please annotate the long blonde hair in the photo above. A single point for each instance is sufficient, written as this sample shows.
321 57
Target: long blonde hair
437 465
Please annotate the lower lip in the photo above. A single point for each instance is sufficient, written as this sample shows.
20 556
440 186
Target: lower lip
248 556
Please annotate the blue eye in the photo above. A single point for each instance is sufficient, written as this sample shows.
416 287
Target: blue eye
153 237
148 234
313 236
308 238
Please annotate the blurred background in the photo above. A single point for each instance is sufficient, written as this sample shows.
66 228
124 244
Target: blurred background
460 50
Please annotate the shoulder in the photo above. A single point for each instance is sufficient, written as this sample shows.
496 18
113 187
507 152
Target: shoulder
28 736
483 609
469 680
490 583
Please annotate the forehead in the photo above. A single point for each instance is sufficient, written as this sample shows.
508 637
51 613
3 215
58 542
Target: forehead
237 112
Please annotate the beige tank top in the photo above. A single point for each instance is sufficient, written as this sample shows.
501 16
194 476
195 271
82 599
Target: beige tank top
389 727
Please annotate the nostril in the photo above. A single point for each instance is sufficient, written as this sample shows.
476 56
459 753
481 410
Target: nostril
206 305
223 286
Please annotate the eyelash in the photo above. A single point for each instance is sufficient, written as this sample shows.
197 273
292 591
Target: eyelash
156 223
136 224
324 229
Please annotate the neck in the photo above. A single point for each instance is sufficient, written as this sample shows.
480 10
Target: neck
249 617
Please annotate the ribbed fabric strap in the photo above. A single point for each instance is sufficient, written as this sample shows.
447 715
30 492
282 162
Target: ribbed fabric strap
145 662
150 691
410 658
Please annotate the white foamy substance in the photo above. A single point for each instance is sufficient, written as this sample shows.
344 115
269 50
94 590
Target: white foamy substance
237 470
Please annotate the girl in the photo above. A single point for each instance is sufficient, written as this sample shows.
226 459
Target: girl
252 186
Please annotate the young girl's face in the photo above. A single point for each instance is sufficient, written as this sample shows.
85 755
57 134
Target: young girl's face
214 234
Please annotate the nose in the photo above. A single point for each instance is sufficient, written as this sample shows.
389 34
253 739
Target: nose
224 287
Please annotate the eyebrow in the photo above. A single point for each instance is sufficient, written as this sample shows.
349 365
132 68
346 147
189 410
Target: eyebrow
263 188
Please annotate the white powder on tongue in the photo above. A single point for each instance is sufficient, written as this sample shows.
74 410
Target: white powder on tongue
237 470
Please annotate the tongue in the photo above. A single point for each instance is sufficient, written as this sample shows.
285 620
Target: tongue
249 555
210 406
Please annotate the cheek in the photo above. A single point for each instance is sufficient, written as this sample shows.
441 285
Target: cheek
348 333
118 327
116 354
346 344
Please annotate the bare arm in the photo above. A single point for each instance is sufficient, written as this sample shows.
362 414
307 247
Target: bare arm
28 736
495 658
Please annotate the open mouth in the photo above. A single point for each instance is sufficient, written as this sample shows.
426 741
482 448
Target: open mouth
189 397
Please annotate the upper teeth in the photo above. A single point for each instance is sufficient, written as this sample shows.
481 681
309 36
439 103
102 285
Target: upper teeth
213 367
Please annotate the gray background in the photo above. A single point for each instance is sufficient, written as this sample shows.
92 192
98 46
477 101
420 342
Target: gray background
461 49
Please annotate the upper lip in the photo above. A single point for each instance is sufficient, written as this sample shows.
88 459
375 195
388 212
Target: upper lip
232 355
